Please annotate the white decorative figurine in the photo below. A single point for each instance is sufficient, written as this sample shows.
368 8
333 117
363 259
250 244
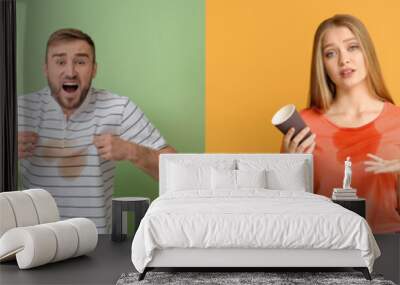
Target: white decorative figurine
347 174
347 192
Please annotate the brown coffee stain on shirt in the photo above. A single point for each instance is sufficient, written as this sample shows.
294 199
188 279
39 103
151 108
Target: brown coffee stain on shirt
356 143
70 161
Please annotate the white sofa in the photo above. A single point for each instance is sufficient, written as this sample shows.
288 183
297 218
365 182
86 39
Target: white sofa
31 233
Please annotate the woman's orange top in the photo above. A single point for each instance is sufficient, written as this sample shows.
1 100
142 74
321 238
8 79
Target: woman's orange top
334 144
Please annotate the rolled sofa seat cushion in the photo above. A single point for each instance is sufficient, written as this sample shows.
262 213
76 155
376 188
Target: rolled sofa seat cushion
40 244
66 239
7 218
45 205
33 246
87 235
23 208
26 208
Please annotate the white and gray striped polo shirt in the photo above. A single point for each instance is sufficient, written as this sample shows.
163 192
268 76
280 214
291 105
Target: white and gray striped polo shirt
66 162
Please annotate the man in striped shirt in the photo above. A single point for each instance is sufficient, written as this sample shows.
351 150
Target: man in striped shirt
70 134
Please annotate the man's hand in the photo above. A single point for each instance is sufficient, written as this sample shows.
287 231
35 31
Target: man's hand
26 144
112 147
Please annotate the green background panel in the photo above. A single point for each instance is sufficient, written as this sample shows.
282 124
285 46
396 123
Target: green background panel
149 50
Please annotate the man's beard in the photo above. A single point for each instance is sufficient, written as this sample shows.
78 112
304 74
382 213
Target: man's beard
55 92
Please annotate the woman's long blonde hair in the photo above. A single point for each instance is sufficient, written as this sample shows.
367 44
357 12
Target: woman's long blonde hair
322 89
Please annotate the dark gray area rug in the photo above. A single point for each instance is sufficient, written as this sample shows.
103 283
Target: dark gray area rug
232 278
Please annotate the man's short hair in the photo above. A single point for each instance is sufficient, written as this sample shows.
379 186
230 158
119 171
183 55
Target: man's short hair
70 35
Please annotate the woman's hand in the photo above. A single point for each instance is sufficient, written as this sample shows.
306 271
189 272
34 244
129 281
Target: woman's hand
298 144
379 165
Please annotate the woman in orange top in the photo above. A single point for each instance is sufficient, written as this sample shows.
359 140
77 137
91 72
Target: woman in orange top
351 113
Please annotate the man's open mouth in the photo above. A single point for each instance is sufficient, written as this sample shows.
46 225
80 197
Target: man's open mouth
70 87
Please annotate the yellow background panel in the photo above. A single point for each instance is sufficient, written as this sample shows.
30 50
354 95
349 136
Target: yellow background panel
258 56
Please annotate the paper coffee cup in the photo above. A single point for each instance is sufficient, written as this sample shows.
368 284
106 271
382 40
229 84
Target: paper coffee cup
287 117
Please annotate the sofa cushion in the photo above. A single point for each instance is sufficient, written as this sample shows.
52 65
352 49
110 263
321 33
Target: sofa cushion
26 208
40 244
